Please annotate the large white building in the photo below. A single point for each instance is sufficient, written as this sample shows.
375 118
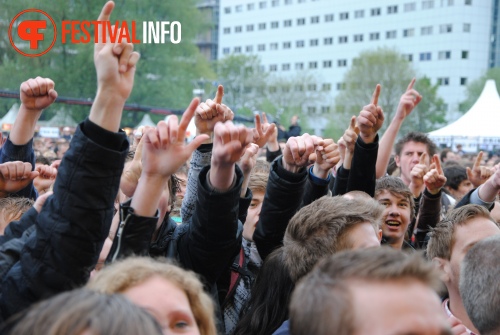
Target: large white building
451 41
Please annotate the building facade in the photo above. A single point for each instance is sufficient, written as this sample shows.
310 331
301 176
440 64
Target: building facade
208 41
453 42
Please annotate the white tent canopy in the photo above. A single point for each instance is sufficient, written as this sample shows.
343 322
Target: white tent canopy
11 115
478 127
61 119
146 121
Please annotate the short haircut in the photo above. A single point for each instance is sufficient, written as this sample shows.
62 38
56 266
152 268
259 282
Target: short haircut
122 275
42 160
479 275
322 301
396 187
81 310
442 237
444 153
455 174
321 228
13 208
419 138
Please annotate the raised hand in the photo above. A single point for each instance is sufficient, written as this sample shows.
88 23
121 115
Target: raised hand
326 159
37 94
409 100
263 133
249 158
479 174
210 112
298 149
46 177
348 142
133 169
371 118
435 179
14 176
417 176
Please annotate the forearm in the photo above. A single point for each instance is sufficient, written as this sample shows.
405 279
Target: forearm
362 173
488 192
428 216
221 176
147 195
110 102
385 146
23 128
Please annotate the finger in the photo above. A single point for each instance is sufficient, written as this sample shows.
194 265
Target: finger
258 125
212 108
32 85
53 95
26 89
264 118
376 94
25 171
437 162
270 130
42 85
478 161
219 94
196 142
105 14
470 176
173 129
124 55
423 159
151 136
410 86
352 125
186 118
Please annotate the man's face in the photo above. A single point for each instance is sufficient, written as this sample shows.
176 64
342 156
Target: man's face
410 156
397 307
463 188
253 214
465 237
396 216
182 185
362 236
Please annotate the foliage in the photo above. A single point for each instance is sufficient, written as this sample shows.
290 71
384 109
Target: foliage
475 88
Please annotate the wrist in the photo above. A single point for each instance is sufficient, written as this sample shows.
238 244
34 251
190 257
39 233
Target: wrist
221 177
273 145
368 138
208 132
319 172
290 167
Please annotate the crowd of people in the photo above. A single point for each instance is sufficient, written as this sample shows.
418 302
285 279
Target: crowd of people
232 233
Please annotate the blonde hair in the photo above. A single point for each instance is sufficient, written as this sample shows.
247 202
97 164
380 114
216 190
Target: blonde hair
132 271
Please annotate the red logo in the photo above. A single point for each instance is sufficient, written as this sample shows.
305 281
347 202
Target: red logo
32 31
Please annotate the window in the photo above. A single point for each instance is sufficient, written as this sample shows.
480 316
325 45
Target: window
344 16
325 109
425 56
272 89
273 68
451 2
299 88
275 3
261 47
445 28
249 48
408 57
327 63
392 9
463 81
285 67
342 39
237 50
238 8
227 10
340 86
299 66
288 2
427 4
314 43
287 23
410 7
311 110
227 30
262 4
301 22
250 6
314 19
468 2
313 65
274 24
237 29
326 87
374 36
375 12
302 1
311 87
426 30
342 63
299 44
225 51
285 89
262 26
408 32
328 17
287 45
444 55
358 14
358 38
466 27
465 54
249 27
444 81
390 34
273 46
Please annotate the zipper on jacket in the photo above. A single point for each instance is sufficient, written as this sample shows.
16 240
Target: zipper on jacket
119 237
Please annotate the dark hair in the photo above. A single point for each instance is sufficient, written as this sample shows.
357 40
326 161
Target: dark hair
444 153
419 138
396 187
42 160
267 308
454 176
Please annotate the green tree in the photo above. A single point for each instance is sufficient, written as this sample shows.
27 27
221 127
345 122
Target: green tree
475 88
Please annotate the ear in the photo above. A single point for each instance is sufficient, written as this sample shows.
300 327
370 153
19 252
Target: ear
444 268
379 235
397 160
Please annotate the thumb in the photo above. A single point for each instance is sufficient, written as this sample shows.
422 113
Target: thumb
469 173
219 94
53 95
33 175
198 140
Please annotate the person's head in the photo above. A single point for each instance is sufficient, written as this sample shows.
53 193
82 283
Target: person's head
479 288
408 152
294 120
62 148
448 155
377 291
452 237
257 184
326 226
457 181
182 177
39 144
11 209
396 197
173 295
84 312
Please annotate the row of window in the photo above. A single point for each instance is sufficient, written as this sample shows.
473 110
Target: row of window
376 11
409 32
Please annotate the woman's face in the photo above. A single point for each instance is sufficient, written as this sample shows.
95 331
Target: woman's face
167 303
